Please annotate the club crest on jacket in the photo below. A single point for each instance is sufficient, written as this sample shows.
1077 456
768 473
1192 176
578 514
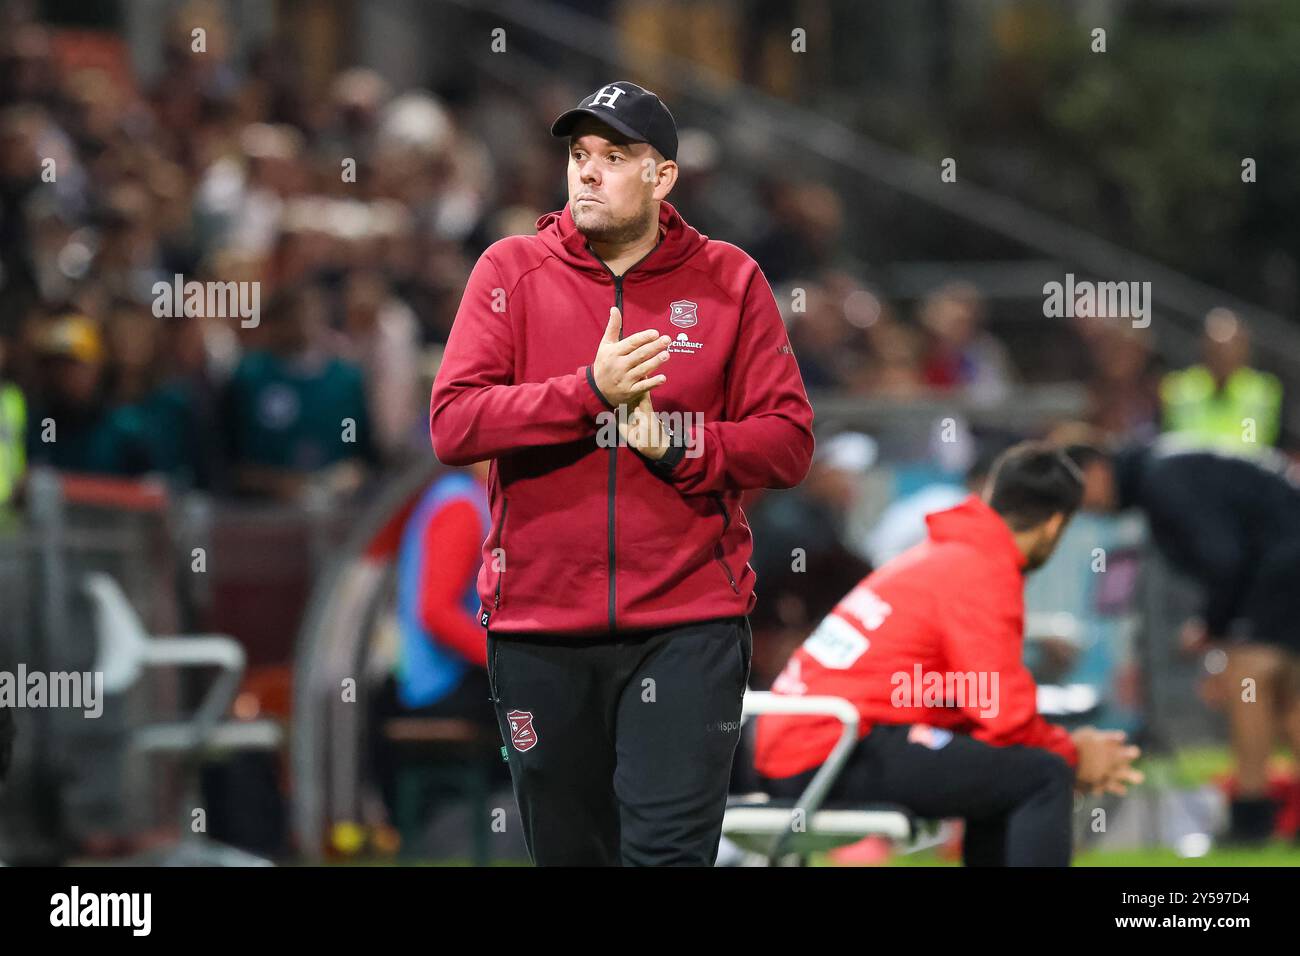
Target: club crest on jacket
682 313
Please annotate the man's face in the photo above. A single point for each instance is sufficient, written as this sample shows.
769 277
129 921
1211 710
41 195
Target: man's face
1227 348
1049 536
1099 493
72 381
614 183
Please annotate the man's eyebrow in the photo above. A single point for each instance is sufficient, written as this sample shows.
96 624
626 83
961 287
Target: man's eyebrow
613 143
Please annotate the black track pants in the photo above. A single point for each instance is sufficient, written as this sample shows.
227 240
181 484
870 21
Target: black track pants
620 750
1016 801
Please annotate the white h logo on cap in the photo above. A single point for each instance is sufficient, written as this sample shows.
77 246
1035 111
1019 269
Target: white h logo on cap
613 92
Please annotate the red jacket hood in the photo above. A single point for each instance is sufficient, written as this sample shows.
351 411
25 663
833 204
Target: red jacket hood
679 242
973 522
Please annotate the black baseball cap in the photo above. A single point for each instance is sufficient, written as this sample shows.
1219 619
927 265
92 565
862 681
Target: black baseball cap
633 111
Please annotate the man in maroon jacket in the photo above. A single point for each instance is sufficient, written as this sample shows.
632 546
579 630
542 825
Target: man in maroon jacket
629 378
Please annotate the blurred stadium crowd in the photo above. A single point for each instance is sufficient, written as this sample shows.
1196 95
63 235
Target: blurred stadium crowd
360 217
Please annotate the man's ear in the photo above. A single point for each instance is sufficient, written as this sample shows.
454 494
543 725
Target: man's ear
665 178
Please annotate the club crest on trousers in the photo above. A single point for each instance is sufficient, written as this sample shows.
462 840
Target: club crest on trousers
522 735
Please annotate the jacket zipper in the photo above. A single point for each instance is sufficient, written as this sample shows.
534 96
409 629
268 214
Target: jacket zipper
501 531
726 523
613 451
613 472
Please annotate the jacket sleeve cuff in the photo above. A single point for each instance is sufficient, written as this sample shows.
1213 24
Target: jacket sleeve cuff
1069 751
594 401
671 459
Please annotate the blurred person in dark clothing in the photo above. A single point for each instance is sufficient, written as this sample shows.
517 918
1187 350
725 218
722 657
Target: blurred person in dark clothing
21 129
803 235
184 410
132 340
831 332
1124 383
800 546
71 426
1233 525
297 414
157 368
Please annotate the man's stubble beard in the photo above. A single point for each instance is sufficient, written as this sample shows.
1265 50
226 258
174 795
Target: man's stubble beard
1042 553
596 225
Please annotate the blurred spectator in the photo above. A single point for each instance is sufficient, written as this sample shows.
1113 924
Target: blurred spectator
1124 384
895 365
442 668
961 353
73 428
803 233
381 335
712 198
241 202
296 411
129 259
225 168
356 99
1223 403
13 434
800 547
183 409
20 168
131 340
831 333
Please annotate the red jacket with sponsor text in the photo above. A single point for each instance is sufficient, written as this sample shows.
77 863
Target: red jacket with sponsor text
589 538
952 605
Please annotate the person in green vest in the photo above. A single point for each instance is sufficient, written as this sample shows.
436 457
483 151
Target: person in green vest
1223 404
13 429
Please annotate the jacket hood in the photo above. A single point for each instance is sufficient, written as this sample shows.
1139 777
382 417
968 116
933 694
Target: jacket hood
678 242
973 522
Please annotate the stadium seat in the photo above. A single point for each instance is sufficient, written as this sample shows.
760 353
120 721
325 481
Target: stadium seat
123 650
789 830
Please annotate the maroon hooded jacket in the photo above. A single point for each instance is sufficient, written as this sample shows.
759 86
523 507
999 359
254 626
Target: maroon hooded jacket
592 538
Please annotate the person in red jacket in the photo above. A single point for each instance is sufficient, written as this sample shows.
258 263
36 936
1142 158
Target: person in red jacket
928 648
442 665
629 378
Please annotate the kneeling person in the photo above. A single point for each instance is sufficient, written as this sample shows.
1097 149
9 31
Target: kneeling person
929 649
